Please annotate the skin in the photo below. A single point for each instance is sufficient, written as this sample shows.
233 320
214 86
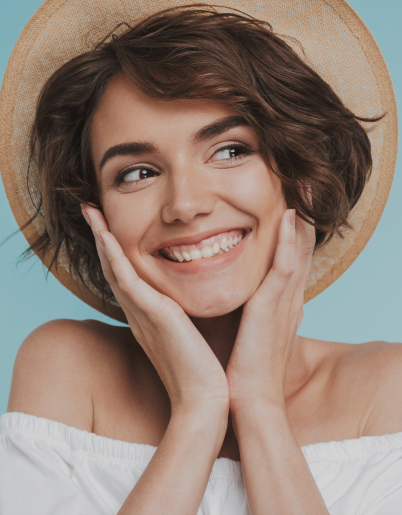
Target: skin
211 364
195 191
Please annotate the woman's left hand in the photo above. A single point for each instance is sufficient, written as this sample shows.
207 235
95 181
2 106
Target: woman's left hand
271 317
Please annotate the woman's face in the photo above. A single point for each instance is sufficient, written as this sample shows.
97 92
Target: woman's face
193 175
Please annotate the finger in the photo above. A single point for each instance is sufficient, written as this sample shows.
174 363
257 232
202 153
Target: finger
143 296
127 286
283 265
97 222
305 235
95 218
305 243
300 318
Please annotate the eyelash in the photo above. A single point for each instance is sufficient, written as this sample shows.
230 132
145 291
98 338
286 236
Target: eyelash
118 180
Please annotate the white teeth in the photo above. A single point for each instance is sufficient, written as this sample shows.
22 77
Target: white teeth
207 252
179 256
195 254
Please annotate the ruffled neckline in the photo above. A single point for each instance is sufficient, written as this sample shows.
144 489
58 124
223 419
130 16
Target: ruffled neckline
91 444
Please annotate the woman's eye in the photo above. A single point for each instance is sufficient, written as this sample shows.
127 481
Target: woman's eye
228 153
232 152
134 175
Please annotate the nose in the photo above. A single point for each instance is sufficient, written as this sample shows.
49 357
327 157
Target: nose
188 196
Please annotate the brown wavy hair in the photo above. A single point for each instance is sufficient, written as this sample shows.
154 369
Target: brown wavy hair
307 136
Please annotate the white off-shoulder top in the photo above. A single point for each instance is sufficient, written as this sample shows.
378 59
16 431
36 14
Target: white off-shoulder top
48 468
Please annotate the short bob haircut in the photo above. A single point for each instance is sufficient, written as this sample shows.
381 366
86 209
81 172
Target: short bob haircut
311 141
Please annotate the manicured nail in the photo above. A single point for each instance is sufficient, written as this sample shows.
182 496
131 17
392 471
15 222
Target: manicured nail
85 215
100 239
292 217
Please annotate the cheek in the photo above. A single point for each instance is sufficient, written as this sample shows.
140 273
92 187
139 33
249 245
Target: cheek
128 220
262 198
260 195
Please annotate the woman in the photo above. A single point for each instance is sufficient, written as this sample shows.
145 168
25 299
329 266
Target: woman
198 136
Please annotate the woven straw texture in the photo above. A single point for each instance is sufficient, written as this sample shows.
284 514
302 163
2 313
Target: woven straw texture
336 43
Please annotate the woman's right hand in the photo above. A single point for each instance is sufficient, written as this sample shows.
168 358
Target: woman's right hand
175 479
190 371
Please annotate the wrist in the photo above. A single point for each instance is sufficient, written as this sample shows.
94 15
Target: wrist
205 411
251 414
192 399
246 405
205 423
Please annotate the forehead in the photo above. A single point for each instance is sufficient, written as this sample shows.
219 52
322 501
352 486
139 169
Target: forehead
126 113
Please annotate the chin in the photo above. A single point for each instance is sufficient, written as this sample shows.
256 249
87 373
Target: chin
213 306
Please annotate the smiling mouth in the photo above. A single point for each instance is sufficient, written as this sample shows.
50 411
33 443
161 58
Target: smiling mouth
206 249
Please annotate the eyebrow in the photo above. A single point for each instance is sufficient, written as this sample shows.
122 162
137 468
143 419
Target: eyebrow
218 127
209 131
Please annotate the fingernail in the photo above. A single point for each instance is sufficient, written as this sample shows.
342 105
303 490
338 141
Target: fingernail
292 217
100 239
85 215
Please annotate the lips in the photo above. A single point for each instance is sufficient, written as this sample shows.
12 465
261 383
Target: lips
201 266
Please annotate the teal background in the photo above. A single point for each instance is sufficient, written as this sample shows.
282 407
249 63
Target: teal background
364 304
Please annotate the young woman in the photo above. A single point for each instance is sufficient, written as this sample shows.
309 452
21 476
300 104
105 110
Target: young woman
190 166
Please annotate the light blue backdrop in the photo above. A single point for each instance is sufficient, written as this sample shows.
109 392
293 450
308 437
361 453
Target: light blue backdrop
364 304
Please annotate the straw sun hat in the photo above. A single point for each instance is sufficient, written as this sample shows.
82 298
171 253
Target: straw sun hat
336 43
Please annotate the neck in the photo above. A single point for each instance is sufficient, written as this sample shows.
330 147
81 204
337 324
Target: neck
220 333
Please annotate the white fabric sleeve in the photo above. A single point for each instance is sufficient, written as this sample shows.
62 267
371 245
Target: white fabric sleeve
36 479
49 468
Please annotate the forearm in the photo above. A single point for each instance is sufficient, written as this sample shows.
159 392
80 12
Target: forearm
176 478
277 478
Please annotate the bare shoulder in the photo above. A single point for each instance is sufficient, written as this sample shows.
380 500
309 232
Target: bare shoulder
370 374
57 368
